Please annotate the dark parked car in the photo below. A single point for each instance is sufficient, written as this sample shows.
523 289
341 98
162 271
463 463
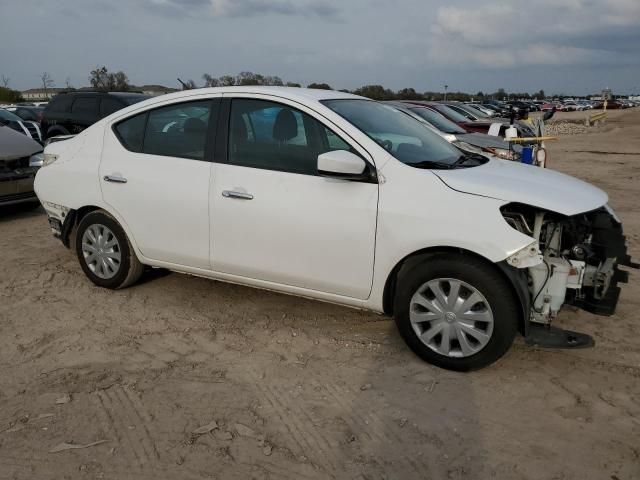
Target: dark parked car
25 127
32 114
70 113
20 158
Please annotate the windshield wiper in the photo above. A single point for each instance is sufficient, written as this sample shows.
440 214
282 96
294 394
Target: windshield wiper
465 158
433 164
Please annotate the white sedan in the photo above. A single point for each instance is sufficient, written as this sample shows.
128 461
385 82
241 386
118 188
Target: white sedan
332 196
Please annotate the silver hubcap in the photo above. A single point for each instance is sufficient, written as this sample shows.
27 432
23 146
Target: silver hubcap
101 251
451 317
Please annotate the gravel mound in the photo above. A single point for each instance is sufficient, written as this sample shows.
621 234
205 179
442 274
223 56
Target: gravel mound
565 128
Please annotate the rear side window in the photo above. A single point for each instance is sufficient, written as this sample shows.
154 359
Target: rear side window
108 106
61 103
131 132
85 105
178 130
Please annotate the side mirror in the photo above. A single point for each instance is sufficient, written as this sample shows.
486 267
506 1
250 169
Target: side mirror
343 165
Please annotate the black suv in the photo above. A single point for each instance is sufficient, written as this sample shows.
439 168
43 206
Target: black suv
69 113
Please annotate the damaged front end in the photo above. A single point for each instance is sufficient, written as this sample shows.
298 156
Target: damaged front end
576 262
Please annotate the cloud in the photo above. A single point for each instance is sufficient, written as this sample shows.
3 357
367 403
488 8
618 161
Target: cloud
546 32
249 8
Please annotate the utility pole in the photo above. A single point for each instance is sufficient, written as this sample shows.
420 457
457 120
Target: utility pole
445 92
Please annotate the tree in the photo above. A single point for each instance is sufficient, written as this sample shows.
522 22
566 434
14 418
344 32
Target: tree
540 95
47 81
320 86
501 94
375 92
103 80
293 84
408 94
210 81
9 95
249 78
226 81
5 81
67 83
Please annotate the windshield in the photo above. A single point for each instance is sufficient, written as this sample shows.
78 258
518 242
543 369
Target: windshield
476 111
402 136
9 116
451 113
437 120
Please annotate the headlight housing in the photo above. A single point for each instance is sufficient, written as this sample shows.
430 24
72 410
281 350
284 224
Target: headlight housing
49 158
36 160
505 154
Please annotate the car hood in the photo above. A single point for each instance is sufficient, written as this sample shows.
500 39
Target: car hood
483 140
16 145
517 182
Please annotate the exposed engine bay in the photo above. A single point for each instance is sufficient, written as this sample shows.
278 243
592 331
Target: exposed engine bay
576 260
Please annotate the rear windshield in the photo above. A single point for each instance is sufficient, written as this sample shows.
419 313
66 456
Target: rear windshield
132 98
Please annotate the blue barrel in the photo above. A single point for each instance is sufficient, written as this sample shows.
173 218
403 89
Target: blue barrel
527 155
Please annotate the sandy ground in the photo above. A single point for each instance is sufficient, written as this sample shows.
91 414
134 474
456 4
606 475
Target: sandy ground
300 389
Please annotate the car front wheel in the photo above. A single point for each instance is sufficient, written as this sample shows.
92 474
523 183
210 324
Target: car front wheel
105 253
455 311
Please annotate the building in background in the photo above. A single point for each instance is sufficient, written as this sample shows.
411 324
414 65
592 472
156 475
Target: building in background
40 94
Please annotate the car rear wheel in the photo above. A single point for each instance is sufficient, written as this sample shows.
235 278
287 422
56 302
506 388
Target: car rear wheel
105 253
455 311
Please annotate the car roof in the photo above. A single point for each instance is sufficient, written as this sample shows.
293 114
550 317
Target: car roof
294 93
98 92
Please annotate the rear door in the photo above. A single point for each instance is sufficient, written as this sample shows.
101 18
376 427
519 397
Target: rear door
273 218
155 173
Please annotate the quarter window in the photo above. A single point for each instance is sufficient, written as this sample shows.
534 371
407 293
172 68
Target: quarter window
131 132
108 106
85 105
273 136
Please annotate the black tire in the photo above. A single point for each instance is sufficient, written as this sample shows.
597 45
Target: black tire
130 269
480 275
55 131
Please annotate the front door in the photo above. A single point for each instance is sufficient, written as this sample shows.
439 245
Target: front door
274 219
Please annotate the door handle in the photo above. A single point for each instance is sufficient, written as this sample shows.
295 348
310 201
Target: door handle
238 195
114 179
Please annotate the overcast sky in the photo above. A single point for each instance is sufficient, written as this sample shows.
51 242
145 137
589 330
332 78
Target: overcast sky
561 46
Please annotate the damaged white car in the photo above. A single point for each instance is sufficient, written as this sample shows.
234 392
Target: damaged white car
332 196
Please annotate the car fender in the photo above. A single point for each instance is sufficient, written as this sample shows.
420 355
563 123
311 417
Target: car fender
419 212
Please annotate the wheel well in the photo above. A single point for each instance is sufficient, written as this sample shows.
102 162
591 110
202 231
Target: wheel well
56 130
389 293
73 218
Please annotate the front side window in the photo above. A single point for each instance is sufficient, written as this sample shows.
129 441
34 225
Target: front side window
402 136
272 136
